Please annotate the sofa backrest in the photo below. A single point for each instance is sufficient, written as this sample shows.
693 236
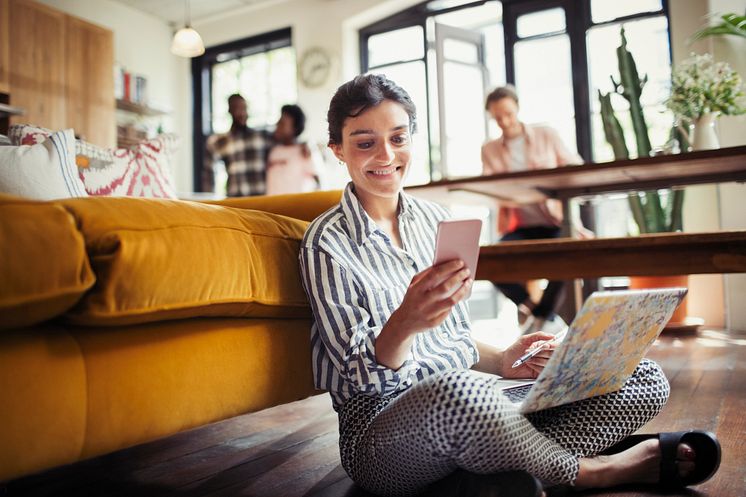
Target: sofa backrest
152 259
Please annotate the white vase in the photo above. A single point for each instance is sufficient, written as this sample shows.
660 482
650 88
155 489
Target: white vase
705 137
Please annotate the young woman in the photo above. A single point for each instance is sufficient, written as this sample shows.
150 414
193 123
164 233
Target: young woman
392 345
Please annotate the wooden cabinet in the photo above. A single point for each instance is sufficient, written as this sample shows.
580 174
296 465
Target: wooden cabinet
89 78
61 72
4 49
37 63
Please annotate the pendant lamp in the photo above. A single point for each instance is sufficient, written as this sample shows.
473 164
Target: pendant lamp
187 42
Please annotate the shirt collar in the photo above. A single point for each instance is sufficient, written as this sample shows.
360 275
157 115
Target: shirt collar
528 135
360 224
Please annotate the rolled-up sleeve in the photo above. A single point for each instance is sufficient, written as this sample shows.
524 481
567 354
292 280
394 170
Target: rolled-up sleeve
345 326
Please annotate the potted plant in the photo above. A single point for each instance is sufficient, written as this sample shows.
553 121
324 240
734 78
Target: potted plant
653 211
701 90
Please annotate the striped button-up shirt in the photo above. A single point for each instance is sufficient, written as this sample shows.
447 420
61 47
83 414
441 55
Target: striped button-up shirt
355 278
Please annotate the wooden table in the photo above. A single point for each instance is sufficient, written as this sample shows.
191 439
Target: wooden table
669 253
706 166
663 254
660 254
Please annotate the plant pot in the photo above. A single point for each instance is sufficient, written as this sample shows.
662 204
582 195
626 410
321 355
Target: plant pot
705 137
679 321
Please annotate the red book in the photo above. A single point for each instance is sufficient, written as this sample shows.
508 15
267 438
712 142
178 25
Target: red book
127 93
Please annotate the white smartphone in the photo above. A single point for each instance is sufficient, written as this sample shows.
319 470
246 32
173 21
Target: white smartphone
458 239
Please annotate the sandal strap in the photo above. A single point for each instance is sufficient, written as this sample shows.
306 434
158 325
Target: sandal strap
669 443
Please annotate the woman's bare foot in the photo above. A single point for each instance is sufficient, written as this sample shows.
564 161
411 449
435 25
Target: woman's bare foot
638 464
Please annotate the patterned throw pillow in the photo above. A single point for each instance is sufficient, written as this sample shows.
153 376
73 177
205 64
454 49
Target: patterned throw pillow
140 171
42 171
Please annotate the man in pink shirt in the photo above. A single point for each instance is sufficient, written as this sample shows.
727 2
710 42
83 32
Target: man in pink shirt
525 147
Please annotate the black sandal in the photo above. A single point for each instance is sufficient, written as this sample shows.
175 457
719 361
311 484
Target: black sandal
706 449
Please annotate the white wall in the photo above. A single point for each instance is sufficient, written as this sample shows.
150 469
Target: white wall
732 132
142 45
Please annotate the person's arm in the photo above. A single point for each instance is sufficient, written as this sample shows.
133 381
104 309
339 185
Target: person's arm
500 362
564 156
208 166
369 358
427 303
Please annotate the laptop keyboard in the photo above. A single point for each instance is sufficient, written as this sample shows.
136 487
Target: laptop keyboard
518 393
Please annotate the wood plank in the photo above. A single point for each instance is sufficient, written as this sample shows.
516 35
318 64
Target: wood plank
4 47
644 255
89 77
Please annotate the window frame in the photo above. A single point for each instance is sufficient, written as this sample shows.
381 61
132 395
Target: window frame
578 22
202 85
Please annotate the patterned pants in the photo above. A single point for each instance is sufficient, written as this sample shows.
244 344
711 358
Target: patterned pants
459 419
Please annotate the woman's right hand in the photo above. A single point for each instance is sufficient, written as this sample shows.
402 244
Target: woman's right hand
432 294
429 299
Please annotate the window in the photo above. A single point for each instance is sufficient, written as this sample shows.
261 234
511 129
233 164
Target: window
542 36
265 79
261 68
558 53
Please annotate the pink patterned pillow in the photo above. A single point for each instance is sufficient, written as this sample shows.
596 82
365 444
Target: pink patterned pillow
140 171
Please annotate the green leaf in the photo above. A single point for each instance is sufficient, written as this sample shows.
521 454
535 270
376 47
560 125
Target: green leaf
732 24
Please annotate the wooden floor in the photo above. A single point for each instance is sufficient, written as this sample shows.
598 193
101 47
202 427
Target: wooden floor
291 450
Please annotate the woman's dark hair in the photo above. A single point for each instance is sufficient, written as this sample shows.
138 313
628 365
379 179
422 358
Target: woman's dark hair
299 118
507 91
357 95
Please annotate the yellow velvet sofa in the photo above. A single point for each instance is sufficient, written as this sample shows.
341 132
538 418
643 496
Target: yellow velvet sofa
123 320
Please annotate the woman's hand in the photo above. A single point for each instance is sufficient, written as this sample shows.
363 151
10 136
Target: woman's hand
432 294
532 367
429 299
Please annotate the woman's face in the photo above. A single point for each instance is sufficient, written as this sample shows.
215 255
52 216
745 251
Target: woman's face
505 114
376 146
285 130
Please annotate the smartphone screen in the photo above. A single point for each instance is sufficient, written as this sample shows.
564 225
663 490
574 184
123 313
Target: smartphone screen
458 239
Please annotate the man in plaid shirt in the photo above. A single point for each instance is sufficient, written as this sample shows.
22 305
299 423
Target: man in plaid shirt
243 151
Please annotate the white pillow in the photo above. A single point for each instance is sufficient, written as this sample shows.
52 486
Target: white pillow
44 171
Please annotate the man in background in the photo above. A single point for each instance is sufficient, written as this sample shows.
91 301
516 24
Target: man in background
244 152
524 147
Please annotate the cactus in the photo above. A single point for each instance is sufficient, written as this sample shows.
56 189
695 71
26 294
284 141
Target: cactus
630 87
612 129
646 207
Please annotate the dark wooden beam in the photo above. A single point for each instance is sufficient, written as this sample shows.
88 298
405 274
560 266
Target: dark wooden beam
644 255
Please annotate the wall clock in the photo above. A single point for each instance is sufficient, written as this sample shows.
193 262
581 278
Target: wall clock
314 67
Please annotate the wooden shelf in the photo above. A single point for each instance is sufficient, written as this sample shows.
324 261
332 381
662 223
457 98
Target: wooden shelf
9 110
140 109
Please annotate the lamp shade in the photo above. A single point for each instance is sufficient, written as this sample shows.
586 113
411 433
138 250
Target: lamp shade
187 43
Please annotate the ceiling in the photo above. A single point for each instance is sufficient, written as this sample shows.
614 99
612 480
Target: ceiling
174 11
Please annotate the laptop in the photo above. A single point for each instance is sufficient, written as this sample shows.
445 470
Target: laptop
603 346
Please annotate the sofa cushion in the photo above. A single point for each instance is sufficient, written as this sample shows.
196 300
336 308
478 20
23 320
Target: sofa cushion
165 259
44 269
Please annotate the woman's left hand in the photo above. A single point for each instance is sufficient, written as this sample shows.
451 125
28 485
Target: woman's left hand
532 367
